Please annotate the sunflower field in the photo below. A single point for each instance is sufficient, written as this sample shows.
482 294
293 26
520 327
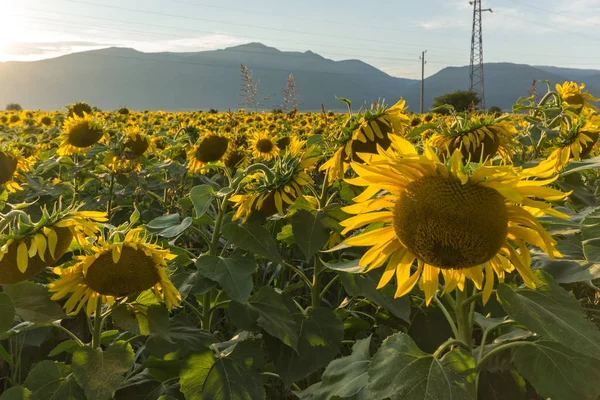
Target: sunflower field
373 254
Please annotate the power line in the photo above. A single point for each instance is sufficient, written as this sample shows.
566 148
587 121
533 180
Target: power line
251 11
550 11
207 32
244 25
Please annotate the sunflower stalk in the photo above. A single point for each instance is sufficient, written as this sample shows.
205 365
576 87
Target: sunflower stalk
98 320
464 328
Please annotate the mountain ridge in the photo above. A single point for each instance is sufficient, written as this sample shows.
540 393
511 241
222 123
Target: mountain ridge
181 81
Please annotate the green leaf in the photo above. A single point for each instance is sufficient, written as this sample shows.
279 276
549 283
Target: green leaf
191 282
253 237
7 312
50 380
201 197
553 313
144 386
69 346
17 393
169 226
502 386
350 267
309 232
101 372
590 234
365 285
320 339
400 370
181 338
583 165
32 302
267 310
233 273
558 372
223 378
346 376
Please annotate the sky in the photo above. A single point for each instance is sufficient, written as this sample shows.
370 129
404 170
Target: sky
389 36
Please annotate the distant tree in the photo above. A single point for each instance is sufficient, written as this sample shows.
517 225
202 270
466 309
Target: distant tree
461 100
13 107
249 89
495 110
291 99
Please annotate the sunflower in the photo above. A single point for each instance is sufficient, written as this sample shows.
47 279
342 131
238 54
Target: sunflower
263 147
80 109
12 164
577 140
27 248
237 158
80 134
477 138
135 144
211 148
574 96
290 176
460 220
113 269
363 134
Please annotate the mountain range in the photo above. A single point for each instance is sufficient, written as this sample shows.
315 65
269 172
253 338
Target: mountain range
114 77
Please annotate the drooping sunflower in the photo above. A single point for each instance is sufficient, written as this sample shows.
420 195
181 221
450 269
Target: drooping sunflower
237 158
478 138
211 148
363 134
263 147
577 140
575 96
135 144
80 109
80 134
273 195
113 269
27 248
12 164
457 219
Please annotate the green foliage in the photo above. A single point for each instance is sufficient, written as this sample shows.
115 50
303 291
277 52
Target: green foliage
460 100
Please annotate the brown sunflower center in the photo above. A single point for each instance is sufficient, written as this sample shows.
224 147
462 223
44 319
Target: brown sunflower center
84 134
283 142
486 149
234 159
212 148
134 273
587 147
8 166
450 225
137 146
264 145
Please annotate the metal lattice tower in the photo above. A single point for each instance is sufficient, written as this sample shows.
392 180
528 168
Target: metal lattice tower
476 75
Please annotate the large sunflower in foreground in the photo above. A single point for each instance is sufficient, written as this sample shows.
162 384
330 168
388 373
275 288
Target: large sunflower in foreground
575 96
80 134
478 138
577 140
290 178
364 134
27 248
263 147
115 269
211 148
452 219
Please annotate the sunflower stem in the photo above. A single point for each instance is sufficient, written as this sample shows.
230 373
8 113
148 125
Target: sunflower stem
111 190
462 318
97 334
314 290
447 315
482 361
213 251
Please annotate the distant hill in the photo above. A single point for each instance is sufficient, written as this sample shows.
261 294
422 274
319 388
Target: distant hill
114 77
